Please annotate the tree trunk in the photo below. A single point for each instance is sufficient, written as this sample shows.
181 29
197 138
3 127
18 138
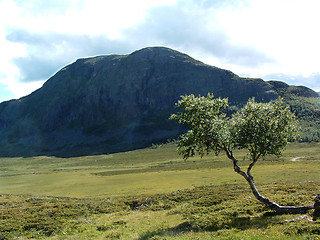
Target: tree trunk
316 205
274 206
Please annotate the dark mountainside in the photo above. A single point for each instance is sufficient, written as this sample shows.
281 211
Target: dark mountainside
284 89
115 103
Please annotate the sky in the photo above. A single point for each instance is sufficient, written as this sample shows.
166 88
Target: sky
268 39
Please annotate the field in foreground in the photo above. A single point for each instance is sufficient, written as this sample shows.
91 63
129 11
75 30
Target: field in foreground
154 194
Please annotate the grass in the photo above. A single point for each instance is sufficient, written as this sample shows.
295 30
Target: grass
154 194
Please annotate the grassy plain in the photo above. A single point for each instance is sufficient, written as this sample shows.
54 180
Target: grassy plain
154 194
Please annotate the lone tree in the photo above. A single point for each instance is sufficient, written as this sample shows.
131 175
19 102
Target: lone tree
261 128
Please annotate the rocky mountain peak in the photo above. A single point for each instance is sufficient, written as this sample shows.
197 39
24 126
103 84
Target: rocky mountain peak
115 103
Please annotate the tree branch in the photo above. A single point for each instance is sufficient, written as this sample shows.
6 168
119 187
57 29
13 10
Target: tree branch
274 206
254 160
249 128
248 176
236 167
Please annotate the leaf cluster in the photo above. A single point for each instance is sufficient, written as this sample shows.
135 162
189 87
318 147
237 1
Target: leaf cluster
264 128
261 128
307 111
207 122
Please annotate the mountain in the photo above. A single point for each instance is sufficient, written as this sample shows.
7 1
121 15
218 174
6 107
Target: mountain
305 104
284 89
115 103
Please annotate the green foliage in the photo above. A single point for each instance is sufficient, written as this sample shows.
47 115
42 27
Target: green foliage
209 128
261 128
307 111
206 212
46 216
195 199
305 104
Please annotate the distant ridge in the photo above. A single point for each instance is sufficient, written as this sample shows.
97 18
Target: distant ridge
115 103
302 91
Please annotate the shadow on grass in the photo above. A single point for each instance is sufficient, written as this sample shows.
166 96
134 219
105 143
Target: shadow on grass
181 228
240 223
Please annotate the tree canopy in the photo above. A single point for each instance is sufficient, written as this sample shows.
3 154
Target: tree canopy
261 128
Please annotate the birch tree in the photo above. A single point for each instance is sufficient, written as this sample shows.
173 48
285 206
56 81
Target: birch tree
260 128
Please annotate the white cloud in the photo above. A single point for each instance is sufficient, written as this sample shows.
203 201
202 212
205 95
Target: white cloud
37 39
9 73
249 37
19 89
285 30
92 17
192 26
9 51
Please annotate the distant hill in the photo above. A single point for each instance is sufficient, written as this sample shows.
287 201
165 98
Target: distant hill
282 88
115 103
305 104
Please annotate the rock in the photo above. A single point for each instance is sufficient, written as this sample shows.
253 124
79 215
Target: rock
115 103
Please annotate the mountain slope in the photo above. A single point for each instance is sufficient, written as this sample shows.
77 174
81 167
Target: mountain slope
284 89
305 104
115 103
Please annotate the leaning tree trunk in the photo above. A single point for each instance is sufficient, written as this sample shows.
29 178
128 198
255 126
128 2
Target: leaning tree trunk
274 206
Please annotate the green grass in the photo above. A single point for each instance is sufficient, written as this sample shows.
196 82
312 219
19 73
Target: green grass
154 194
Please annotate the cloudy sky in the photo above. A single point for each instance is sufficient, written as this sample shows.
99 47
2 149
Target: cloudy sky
271 39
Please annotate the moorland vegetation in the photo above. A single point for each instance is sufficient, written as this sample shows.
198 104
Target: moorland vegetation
60 177
260 128
118 196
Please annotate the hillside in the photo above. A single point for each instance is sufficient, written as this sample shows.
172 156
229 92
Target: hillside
285 90
305 104
115 103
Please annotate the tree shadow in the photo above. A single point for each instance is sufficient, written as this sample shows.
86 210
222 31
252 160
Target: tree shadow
240 223
181 228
